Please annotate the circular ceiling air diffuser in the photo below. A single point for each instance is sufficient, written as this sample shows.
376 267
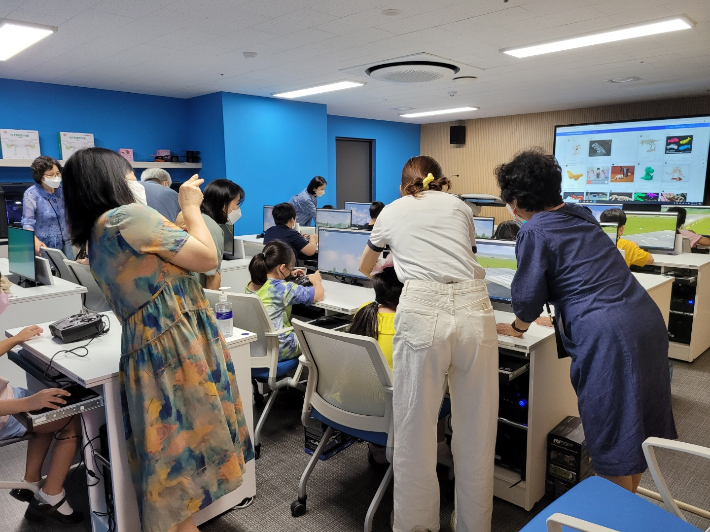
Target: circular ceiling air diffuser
411 71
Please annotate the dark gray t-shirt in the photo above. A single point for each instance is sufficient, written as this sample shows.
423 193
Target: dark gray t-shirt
162 199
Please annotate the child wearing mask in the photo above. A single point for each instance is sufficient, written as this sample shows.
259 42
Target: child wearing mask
271 271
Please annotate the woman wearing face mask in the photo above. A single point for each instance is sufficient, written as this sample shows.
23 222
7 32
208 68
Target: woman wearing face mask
43 207
609 325
306 201
221 204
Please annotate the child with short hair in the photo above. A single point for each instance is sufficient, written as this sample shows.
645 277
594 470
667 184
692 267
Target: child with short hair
283 229
633 254
375 210
271 272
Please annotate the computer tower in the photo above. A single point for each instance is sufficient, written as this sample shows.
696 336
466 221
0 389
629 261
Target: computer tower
568 461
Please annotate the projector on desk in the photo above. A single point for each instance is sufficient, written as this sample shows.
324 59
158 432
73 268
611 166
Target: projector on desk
77 327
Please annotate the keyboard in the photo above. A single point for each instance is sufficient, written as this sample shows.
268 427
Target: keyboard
302 280
80 400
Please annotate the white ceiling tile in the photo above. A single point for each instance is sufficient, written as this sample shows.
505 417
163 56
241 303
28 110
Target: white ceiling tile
51 12
423 21
131 8
8 6
354 22
294 21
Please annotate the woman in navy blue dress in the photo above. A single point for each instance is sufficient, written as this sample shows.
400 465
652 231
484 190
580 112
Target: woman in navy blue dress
612 329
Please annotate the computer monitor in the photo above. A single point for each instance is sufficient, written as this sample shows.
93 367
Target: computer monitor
340 250
610 229
697 218
653 231
21 252
498 259
598 208
483 226
361 212
336 219
268 217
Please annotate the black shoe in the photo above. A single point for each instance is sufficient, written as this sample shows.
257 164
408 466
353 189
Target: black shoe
22 495
38 510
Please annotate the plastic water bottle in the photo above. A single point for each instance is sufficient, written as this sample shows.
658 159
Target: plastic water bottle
223 310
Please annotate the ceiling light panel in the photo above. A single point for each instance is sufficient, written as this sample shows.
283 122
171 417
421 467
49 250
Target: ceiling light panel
319 89
440 112
16 36
620 34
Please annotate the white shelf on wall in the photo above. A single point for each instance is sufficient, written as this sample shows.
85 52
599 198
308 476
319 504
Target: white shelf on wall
26 163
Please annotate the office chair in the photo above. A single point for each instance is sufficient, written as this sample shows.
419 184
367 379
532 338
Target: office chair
248 313
93 299
349 389
597 505
56 259
20 485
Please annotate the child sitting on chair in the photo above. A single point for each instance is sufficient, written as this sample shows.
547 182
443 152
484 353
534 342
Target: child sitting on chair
50 500
271 272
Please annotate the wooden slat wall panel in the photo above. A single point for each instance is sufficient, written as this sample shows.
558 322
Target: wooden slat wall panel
491 141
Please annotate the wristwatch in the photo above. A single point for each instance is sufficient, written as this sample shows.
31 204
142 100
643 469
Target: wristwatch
521 331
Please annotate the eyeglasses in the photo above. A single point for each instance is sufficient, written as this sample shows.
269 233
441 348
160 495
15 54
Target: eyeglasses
52 176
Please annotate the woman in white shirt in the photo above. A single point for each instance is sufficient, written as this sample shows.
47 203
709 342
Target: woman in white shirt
445 324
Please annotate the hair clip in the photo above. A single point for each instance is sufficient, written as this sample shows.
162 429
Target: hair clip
425 184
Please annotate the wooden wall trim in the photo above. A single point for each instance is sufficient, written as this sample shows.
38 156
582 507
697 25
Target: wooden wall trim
492 141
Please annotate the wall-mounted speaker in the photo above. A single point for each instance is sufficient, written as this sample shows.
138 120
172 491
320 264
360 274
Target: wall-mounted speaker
458 134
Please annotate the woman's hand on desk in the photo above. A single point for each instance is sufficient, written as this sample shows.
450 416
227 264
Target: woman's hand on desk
507 330
28 333
49 398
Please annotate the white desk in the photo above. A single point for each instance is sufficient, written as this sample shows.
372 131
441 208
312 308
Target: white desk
29 306
99 370
697 264
659 287
235 274
551 398
343 298
252 244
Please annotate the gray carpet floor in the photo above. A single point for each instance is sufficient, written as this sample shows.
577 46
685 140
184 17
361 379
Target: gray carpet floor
341 488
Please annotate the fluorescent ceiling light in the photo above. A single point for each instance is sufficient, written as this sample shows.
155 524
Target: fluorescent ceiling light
319 89
440 112
621 34
16 36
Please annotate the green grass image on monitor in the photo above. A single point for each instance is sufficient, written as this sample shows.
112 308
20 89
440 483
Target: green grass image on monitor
645 225
698 220
497 262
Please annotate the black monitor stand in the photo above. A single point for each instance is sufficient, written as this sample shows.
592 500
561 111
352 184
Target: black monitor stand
22 281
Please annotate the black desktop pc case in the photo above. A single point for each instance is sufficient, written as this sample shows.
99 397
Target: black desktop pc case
568 461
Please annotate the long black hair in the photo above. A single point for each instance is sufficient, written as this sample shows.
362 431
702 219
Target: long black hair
94 181
274 254
217 196
388 288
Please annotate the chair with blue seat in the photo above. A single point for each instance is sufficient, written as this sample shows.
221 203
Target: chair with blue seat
597 505
249 314
349 389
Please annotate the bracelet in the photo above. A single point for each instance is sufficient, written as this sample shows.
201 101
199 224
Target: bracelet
521 331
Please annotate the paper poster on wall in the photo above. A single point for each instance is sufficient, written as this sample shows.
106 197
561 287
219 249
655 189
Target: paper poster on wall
71 142
19 144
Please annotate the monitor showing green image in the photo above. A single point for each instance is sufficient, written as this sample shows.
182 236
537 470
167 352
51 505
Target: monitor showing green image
651 230
697 219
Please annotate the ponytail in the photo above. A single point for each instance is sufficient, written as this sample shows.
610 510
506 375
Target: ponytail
423 173
365 321
274 253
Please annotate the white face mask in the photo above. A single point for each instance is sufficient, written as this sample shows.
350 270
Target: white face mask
52 182
138 192
515 215
319 193
233 216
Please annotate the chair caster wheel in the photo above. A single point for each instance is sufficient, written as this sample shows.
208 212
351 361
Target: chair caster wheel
298 508
257 452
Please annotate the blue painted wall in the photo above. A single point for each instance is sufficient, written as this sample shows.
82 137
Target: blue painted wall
273 148
117 119
205 133
394 144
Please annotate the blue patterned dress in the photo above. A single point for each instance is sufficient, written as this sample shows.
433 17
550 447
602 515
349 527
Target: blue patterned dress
277 297
306 205
187 436
43 212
